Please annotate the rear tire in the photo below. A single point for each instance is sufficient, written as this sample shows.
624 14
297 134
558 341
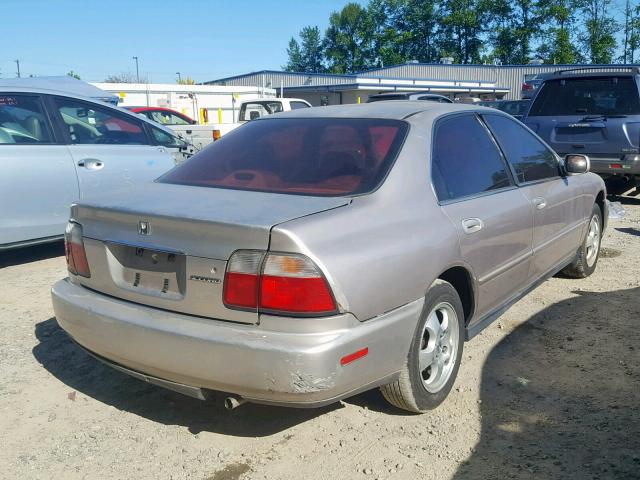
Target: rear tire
434 356
589 252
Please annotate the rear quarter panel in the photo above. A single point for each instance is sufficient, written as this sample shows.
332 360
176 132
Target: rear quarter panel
384 249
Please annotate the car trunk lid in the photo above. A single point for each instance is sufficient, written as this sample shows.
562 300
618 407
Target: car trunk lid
167 245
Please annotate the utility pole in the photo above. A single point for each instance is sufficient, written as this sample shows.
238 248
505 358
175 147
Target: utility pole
18 64
137 70
179 77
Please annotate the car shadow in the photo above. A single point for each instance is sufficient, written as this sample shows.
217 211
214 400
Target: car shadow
630 231
560 395
82 373
19 256
625 199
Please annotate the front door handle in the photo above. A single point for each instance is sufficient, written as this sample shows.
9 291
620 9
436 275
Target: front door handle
539 202
472 225
91 164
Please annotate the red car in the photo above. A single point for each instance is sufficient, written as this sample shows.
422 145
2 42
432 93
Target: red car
163 116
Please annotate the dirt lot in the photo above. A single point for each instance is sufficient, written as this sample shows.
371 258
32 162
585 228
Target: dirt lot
551 390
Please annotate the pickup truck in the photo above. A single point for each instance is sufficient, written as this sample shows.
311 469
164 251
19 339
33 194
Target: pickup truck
202 135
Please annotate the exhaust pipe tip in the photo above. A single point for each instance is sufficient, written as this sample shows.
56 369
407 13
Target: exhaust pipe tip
233 401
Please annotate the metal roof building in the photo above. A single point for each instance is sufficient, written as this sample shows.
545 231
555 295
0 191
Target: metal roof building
486 81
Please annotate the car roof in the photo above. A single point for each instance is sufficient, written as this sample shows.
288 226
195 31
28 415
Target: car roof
145 109
590 74
398 110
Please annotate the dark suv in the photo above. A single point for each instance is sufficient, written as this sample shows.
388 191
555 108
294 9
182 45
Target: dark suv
595 114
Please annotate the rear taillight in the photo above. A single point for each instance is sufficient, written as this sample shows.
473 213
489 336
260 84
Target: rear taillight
288 284
527 87
74 250
241 279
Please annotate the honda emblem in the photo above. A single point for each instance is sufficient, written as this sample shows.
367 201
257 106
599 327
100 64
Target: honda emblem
144 228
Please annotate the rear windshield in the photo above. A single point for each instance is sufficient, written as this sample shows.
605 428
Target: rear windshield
587 96
308 156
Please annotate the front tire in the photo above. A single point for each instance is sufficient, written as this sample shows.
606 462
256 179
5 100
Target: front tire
589 252
434 356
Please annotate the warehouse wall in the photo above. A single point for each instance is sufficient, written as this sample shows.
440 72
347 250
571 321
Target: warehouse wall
509 76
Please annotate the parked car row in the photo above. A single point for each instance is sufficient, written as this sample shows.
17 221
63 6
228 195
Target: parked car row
314 254
201 135
57 148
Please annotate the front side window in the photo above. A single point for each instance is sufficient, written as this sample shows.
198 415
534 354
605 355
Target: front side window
587 96
529 157
307 156
166 139
465 160
22 120
91 124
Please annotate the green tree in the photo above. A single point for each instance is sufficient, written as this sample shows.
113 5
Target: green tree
306 55
294 63
386 17
461 30
599 28
73 74
557 45
631 40
311 50
514 25
349 40
634 35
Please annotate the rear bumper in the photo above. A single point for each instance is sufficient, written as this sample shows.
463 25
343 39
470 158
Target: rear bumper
603 166
193 354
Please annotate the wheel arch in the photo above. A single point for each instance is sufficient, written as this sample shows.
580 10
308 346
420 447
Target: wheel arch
600 201
461 279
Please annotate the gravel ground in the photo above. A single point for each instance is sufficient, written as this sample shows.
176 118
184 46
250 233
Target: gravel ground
551 390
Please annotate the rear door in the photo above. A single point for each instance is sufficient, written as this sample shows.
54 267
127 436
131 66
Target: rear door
38 181
492 216
556 201
110 150
595 116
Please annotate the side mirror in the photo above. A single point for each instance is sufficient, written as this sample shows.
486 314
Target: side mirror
575 164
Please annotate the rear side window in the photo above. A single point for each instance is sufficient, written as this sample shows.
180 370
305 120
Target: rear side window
22 120
254 110
530 158
310 156
465 160
587 96
297 105
92 124
166 118
386 97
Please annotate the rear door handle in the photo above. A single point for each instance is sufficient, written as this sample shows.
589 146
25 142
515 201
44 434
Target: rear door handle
472 225
539 202
91 164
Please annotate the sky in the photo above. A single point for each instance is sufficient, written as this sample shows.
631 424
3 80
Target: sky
205 40
202 39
